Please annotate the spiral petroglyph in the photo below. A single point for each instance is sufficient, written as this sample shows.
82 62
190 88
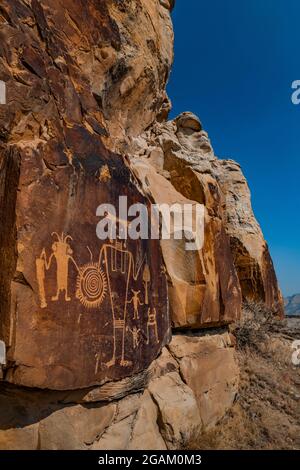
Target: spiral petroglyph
91 285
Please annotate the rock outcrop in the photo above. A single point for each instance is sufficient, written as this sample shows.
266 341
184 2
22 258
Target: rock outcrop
174 161
85 324
60 285
187 389
176 164
250 251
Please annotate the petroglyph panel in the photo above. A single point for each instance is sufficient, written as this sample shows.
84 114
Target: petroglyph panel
83 311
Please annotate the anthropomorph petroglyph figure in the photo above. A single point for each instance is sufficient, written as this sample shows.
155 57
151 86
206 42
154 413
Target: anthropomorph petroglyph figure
62 253
121 269
136 338
116 267
152 324
135 300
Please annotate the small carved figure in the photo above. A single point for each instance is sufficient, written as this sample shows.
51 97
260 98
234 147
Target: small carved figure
152 324
135 336
135 300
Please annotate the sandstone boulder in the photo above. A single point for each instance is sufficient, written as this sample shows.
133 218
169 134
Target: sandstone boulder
19 438
74 427
209 367
135 426
179 416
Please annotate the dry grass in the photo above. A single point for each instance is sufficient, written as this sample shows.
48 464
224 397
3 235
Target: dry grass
266 414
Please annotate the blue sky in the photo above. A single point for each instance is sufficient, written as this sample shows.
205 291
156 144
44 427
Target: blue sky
235 61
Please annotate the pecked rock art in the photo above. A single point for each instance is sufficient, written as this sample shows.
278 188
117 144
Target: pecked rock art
69 317
61 252
83 311
85 85
95 281
74 310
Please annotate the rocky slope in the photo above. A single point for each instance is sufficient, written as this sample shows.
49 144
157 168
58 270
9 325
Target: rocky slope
266 414
87 325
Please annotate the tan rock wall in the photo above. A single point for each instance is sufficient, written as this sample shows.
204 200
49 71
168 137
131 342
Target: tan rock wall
190 387
75 76
86 121
249 248
176 164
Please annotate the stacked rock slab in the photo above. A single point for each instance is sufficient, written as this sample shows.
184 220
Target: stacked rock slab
189 387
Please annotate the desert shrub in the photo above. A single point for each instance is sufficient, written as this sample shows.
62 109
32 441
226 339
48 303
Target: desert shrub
255 326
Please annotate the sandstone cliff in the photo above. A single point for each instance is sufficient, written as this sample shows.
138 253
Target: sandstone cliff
87 324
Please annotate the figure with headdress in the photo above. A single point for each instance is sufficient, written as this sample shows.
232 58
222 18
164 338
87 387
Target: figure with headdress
62 253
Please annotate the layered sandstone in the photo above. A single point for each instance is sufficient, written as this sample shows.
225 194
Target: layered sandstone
250 251
176 164
86 324
75 74
187 389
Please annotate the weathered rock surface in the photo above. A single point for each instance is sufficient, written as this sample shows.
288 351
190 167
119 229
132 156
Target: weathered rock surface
71 288
101 63
86 323
249 248
176 165
178 412
191 386
75 75
209 367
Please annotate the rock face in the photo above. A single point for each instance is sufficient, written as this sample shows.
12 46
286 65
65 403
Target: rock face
102 63
189 388
70 288
250 251
208 366
61 285
176 164
86 323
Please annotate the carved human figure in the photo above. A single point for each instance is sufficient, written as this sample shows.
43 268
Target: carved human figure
62 253
152 324
136 338
120 269
135 300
